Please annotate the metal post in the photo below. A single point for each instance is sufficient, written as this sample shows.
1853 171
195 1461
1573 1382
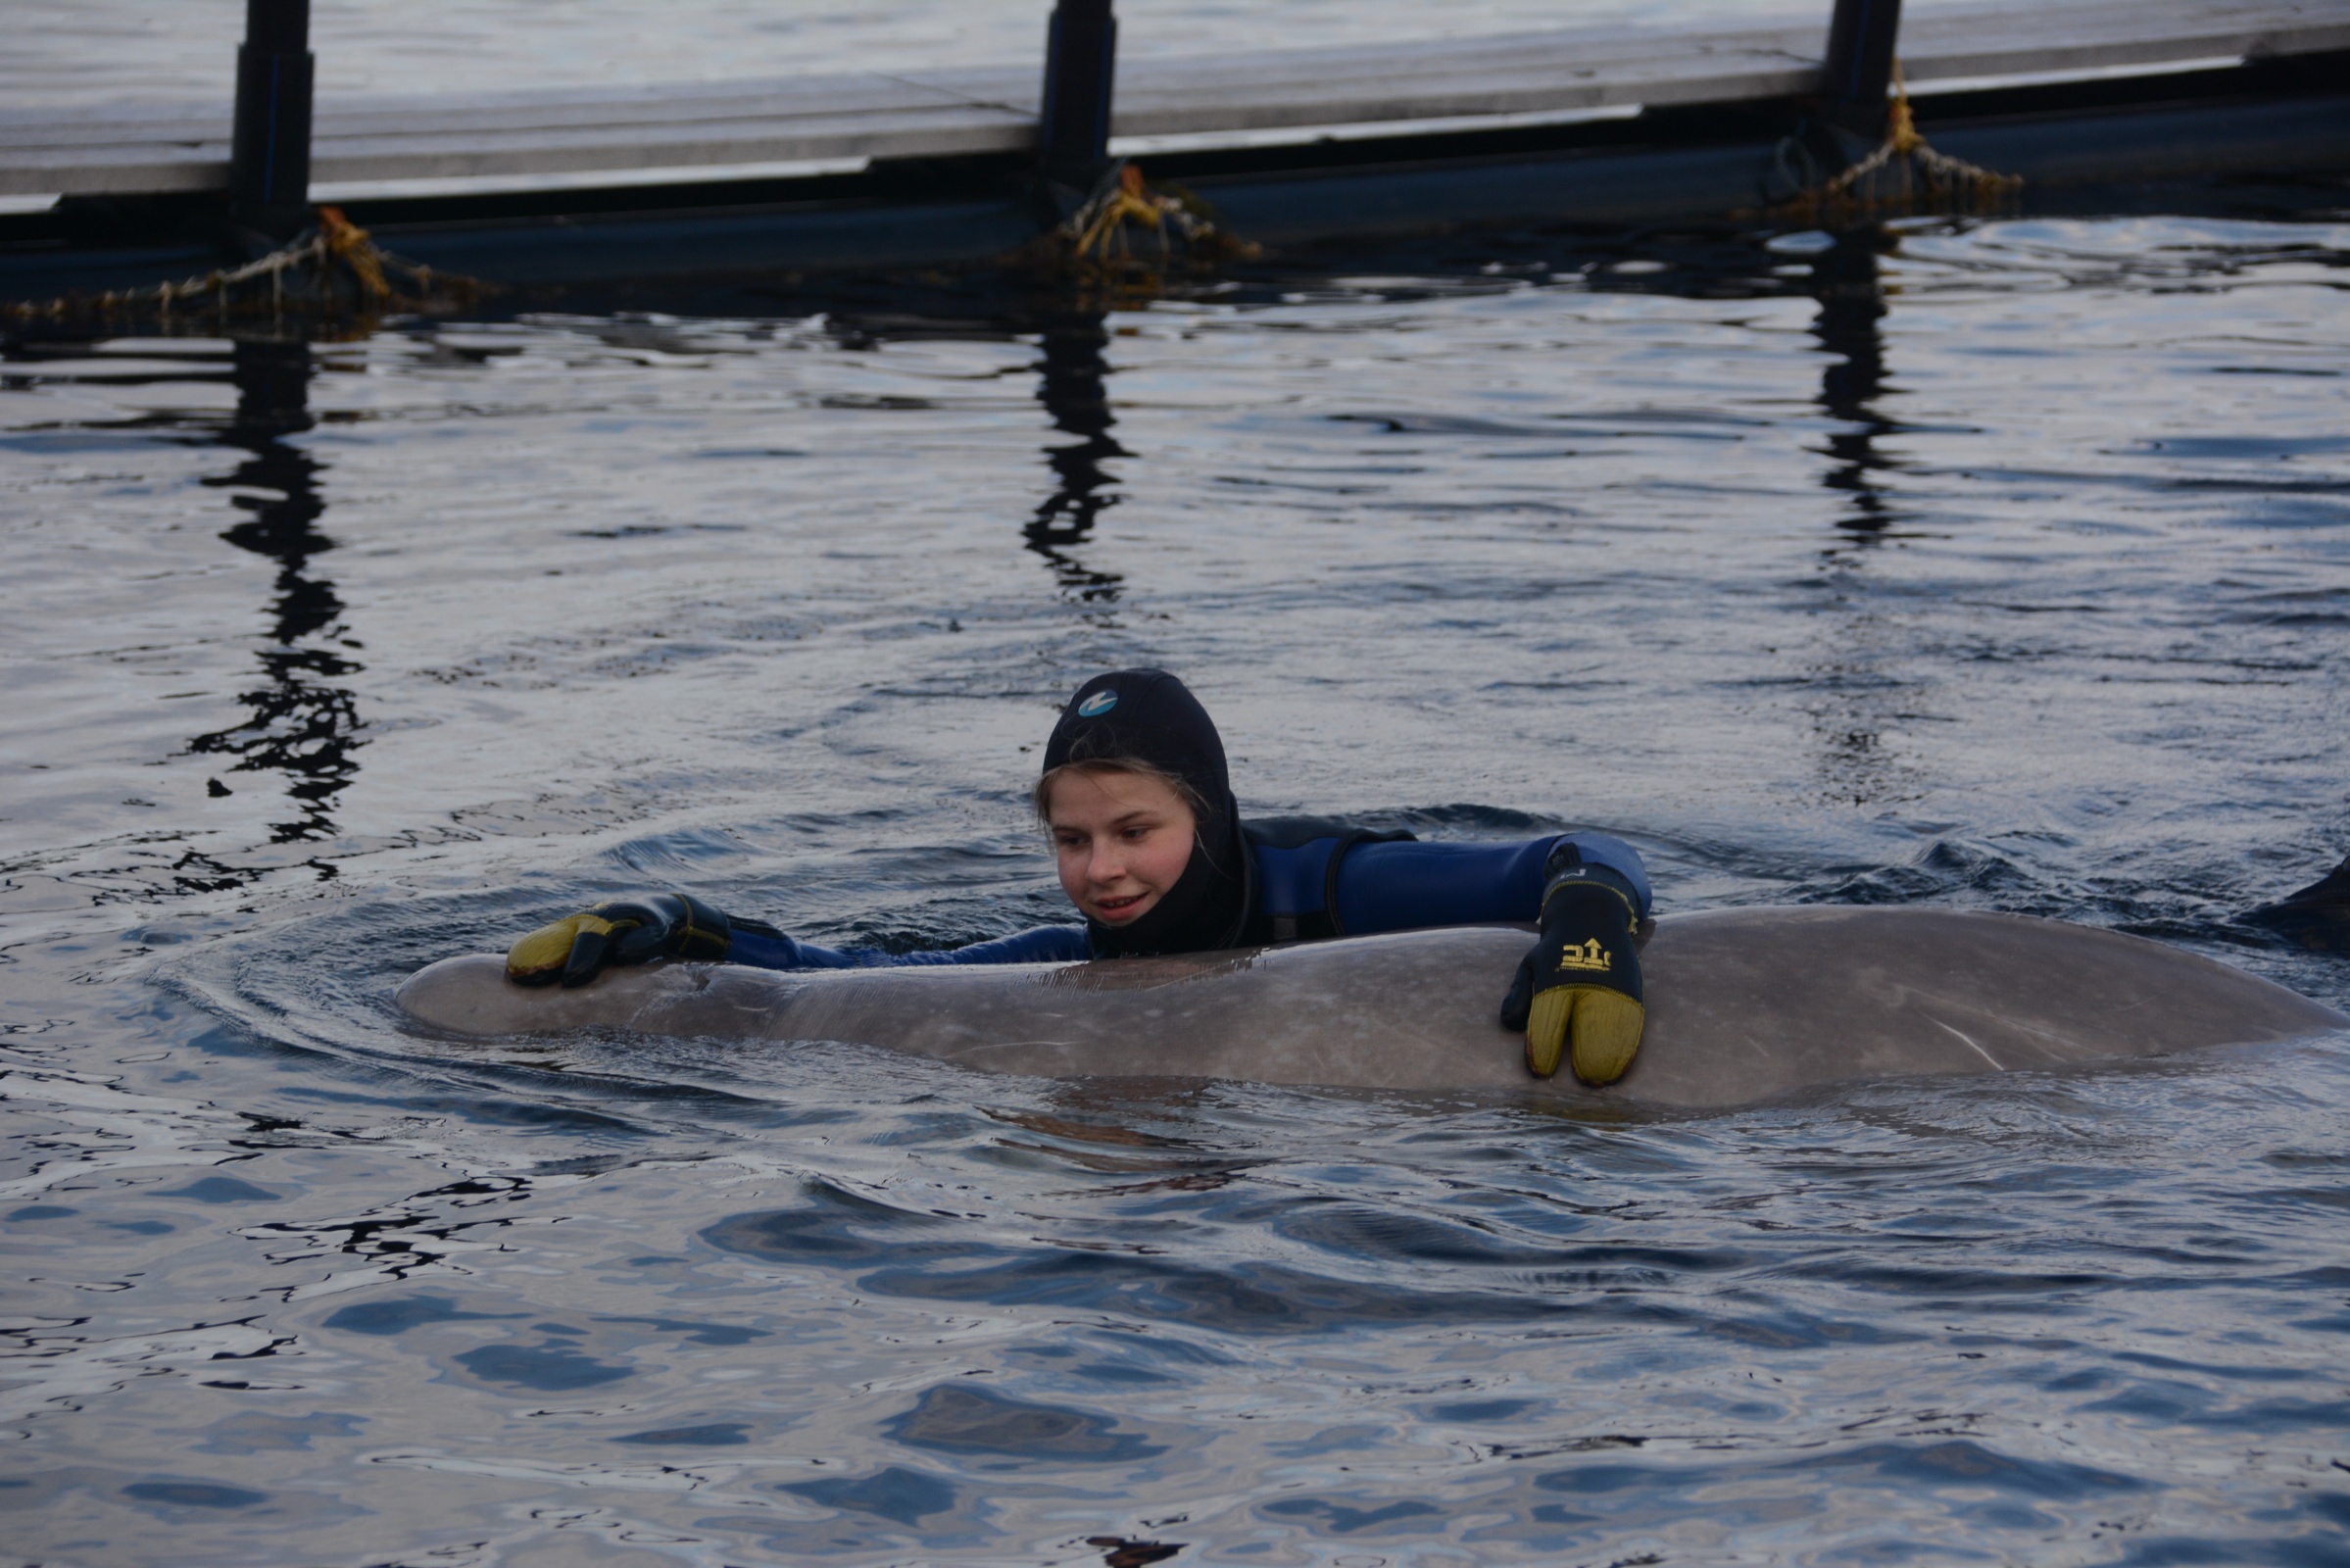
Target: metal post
269 160
1081 61
1860 66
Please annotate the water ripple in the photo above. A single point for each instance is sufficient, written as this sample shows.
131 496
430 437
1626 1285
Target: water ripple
1994 566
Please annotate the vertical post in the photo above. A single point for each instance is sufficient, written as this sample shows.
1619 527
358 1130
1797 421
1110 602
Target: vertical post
269 160
1081 61
1860 66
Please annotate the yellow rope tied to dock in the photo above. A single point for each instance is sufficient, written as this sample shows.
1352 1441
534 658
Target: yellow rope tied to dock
1929 180
1107 234
345 269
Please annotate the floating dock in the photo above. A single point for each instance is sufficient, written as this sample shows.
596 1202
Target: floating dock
873 170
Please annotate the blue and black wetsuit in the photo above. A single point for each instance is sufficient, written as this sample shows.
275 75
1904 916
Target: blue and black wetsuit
1284 879
1305 879
1578 993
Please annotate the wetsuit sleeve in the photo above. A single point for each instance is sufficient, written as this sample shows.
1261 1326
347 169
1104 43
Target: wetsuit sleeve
1401 887
1043 944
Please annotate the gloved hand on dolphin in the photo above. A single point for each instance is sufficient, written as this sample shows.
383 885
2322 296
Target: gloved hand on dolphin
1577 991
578 948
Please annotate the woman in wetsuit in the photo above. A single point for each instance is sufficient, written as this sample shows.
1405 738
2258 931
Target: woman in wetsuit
1150 848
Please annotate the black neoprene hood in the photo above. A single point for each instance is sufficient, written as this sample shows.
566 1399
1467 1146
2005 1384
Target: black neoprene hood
1142 715
1148 715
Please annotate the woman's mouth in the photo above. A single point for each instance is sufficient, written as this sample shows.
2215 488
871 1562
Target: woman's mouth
1110 911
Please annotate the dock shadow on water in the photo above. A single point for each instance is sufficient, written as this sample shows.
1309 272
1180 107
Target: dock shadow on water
1999 565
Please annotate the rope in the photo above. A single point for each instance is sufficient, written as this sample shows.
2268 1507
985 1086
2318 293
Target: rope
333 249
1101 237
1947 184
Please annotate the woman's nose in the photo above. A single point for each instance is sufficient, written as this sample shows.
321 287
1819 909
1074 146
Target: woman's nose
1107 864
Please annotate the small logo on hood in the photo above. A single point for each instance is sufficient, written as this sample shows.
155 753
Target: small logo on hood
1101 703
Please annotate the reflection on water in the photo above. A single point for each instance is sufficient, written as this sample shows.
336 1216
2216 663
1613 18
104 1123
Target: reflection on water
304 721
1070 384
1486 533
1852 327
1859 705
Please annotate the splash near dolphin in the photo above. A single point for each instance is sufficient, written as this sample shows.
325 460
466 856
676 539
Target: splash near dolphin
1744 1006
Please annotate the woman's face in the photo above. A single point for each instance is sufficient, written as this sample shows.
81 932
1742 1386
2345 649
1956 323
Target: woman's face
1121 841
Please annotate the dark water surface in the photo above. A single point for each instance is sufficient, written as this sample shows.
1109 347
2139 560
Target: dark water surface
2004 567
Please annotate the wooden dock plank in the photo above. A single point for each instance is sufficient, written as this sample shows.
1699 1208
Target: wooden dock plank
1948 45
1535 74
437 154
783 99
960 131
972 110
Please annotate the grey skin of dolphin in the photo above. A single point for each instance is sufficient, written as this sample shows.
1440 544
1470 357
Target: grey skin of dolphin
1743 1006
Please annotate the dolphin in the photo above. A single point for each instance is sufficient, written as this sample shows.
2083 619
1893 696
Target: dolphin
1744 1006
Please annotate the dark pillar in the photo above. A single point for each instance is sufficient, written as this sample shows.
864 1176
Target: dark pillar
269 160
1081 61
1860 66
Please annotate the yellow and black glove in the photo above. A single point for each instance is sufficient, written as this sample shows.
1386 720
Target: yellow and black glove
579 947
1578 993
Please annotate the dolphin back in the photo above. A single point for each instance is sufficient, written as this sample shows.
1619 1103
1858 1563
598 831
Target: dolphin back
1743 1006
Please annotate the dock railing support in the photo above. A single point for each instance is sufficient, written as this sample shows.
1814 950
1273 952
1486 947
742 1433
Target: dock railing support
269 160
1081 62
1860 67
